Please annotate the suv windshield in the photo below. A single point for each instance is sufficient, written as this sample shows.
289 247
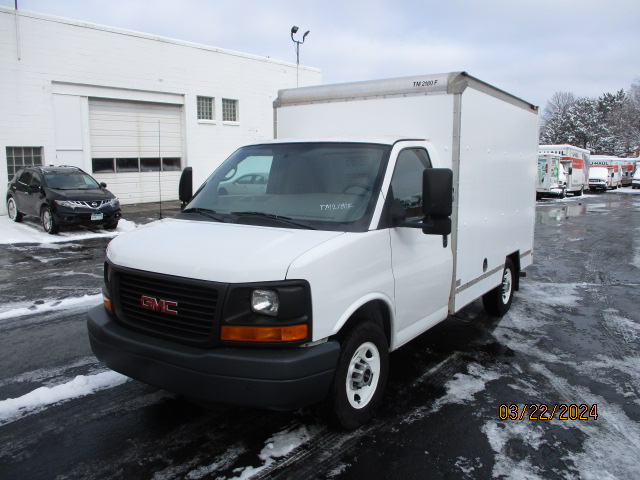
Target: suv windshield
328 186
70 181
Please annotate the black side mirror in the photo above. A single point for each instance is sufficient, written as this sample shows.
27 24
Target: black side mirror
437 201
185 187
437 193
103 185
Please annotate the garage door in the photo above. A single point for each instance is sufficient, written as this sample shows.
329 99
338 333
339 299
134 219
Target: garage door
136 148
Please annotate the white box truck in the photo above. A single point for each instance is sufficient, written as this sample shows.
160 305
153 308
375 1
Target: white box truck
575 161
389 205
552 178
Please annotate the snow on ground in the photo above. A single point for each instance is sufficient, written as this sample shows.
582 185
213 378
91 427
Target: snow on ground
13 409
20 309
29 231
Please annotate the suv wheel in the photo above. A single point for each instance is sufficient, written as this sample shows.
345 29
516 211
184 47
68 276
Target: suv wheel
111 225
12 209
49 223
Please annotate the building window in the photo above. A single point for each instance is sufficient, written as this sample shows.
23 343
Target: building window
149 164
171 164
205 108
102 165
18 157
229 110
127 165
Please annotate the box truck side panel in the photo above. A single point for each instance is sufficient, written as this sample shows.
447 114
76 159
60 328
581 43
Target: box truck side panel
495 192
425 116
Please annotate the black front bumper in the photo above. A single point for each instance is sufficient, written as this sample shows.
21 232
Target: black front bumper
75 217
277 379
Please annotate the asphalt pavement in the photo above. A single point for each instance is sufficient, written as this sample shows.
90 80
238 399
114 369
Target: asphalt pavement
549 391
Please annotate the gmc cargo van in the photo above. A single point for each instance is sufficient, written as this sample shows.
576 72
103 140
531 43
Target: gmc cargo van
378 219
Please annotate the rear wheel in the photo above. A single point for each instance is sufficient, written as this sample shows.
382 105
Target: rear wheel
12 210
49 223
360 378
498 301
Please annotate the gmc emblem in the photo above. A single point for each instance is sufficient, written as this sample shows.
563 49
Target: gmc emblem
158 305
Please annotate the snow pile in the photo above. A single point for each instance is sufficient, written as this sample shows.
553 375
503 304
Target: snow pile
463 388
15 408
30 308
31 232
280 445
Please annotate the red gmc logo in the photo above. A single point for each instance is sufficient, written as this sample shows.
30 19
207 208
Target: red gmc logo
158 305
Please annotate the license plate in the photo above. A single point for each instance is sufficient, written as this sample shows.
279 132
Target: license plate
96 216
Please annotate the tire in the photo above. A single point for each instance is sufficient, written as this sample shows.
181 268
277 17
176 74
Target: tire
12 210
498 301
360 378
111 225
48 221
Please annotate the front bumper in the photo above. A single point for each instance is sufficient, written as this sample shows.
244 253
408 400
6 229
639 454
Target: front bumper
277 379
70 216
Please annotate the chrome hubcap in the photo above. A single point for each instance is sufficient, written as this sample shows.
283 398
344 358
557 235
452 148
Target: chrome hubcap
363 374
506 286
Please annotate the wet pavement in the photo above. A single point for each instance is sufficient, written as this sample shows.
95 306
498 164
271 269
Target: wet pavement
465 400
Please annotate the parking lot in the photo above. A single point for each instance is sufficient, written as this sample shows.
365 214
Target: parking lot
549 391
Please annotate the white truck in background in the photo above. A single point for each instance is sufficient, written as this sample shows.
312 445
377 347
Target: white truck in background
601 178
551 179
575 163
380 218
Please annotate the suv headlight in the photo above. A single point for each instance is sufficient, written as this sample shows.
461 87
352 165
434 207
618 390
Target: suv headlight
114 202
67 203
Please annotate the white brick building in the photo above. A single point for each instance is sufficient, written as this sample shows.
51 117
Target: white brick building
130 108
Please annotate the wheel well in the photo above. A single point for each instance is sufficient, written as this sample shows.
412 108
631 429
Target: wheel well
376 311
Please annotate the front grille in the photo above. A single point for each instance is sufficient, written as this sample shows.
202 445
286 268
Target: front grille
90 204
170 307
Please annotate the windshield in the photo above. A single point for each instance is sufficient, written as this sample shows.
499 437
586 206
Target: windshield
328 186
70 181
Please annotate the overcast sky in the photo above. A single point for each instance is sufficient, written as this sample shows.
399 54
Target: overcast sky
530 48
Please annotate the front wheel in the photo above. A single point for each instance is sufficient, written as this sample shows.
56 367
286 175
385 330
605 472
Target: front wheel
12 210
498 301
49 223
360 378
111 225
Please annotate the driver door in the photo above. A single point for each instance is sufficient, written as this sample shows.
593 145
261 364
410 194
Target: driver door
422 266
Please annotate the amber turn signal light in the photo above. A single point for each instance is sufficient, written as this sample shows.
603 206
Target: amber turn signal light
289 333
107 303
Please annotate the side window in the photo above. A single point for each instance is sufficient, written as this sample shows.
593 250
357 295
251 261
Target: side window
25 178
406 184
36 180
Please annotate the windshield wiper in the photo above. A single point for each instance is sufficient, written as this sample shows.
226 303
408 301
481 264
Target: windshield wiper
282 219
207 213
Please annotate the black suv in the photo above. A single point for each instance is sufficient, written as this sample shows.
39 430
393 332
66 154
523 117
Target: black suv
61 196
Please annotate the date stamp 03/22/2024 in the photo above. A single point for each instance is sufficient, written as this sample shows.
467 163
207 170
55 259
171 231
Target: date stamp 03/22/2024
543 411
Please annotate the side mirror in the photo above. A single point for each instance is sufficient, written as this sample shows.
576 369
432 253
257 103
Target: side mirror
437 200
185 187
103 185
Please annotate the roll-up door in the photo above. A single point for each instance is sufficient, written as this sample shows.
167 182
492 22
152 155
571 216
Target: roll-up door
136 148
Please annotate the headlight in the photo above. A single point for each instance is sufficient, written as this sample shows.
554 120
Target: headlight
66 203
114 202
265 302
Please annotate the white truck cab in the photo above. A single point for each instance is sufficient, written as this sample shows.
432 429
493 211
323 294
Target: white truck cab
296 293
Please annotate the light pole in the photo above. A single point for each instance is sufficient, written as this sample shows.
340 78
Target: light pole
298 43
